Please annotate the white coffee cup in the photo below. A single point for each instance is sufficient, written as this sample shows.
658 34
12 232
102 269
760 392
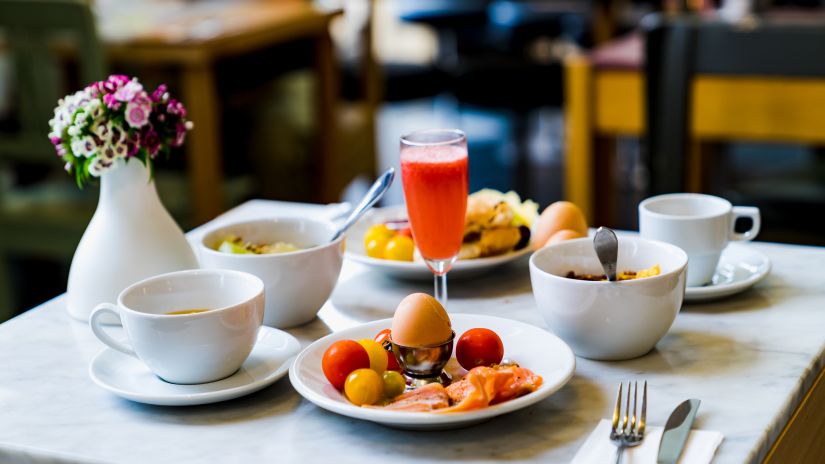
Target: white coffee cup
702 225
191 348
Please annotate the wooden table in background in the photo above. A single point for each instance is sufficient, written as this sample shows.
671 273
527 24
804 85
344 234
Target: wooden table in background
190 37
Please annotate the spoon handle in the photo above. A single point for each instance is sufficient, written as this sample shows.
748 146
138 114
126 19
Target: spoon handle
607 249
376 191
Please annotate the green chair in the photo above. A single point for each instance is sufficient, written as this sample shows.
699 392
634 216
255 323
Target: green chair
48 217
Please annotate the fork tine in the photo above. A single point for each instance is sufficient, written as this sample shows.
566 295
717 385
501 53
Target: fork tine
644 412
618 410
635 403
627 410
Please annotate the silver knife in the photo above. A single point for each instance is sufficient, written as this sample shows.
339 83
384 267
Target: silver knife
676 432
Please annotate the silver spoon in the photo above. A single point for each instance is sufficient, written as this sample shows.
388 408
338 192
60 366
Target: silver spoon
379 187
607 249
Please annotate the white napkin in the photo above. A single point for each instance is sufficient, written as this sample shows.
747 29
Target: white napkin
700 447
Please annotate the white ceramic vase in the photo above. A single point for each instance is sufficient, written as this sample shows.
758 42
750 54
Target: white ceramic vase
130 237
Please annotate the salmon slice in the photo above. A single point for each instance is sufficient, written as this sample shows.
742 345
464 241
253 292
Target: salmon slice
483 386
423 399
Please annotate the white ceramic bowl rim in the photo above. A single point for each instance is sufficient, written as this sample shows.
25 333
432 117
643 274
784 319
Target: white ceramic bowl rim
551 248
721 206
255 280
209 234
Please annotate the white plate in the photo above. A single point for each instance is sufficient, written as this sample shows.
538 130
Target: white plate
530 346
415 270
740 268
129 378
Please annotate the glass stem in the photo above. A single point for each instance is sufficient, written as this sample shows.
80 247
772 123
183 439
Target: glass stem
441 289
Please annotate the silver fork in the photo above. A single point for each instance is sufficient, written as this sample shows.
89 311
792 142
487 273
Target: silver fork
627 431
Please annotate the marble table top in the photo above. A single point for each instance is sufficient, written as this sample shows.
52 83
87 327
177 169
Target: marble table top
749 359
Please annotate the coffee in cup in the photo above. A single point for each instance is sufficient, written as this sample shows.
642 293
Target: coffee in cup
188 327
702 225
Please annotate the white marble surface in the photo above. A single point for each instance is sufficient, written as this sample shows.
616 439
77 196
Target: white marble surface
749 359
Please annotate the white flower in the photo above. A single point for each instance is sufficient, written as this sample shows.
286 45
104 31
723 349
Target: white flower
99 166
74 131
95 109
85 147
81 118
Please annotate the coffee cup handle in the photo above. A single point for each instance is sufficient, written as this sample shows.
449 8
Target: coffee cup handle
101 334
749 212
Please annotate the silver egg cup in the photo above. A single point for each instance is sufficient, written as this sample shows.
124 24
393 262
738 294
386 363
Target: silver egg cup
424 364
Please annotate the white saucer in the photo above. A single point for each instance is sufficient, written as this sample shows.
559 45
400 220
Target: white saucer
740 268
416 270
129 378
530 346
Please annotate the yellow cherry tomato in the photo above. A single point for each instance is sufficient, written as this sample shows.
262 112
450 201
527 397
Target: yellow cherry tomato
377 231
394 384
364 386
375 247
399 248
377 354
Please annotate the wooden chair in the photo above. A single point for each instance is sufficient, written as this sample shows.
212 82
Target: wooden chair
710 81
759 82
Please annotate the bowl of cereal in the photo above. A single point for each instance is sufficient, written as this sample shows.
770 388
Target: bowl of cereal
609 320
293 256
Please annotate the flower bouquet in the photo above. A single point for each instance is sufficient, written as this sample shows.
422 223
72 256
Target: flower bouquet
97 132
115 119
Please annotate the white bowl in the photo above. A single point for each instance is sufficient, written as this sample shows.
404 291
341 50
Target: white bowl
609 320
297 283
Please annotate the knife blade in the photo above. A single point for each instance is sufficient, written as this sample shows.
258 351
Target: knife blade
676 431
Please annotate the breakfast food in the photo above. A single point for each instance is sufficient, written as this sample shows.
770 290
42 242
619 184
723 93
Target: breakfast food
483 386
564 234
341 359
624 275
367 371
236 245
495 223
479 347
420 321
560 216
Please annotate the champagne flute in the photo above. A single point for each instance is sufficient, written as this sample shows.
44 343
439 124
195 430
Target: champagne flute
434 172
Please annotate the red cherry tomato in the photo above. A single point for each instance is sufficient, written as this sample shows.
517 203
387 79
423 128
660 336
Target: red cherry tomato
341 358
405 231
479 347
382 336
392 363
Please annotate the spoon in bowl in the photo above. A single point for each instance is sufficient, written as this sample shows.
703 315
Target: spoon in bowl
376 191
607 249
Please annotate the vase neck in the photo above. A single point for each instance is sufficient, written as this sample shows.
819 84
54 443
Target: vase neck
128 182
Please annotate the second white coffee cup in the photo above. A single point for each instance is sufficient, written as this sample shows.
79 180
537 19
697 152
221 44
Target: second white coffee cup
702 225
218 316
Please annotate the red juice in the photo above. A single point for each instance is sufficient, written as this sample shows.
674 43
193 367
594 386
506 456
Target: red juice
435 182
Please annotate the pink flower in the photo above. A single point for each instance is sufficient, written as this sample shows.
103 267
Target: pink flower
111 101
157 95
129 91
180 134
151 141
137 113
56 140
175 107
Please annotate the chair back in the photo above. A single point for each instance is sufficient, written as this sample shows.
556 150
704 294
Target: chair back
678 49
45 38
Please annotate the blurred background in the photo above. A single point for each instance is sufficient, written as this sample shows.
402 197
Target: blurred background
598 102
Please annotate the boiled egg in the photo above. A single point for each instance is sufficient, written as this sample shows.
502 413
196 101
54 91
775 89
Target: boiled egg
564 234
420 321
559 216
